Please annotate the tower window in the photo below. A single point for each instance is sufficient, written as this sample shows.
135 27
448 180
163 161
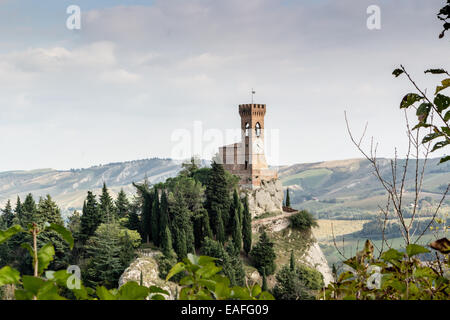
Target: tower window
247 129
258 129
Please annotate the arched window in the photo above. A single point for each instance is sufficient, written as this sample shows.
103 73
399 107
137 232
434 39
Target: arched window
258 129
247 129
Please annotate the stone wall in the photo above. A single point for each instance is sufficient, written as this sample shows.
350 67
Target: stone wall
267 198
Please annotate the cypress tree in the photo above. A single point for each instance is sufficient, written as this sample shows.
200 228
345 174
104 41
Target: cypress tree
264 281
164 215
122 205
8 215
288 199
154 223
237 232
235 207
217 196
91 217
246 227
292 261
220 234
106 206
166 242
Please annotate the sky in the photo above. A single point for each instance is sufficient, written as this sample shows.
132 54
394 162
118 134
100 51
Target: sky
140 74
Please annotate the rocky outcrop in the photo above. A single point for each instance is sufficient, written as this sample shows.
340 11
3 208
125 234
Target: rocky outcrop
315 258
150 275
267 198
312 256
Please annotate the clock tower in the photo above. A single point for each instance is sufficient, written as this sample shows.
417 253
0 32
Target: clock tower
247 159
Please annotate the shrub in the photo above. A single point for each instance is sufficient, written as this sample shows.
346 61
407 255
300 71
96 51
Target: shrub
303 220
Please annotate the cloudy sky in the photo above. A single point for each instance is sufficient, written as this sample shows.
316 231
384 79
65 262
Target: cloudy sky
138 72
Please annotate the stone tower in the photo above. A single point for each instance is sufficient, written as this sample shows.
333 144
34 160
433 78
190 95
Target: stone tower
246 159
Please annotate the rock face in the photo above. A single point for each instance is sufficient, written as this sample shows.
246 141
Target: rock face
315 258
266 198
312 257
150 277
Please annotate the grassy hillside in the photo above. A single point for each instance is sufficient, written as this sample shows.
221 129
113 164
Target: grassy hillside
348 188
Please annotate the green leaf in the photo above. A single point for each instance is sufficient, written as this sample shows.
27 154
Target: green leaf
442 102
104 294
155 289
440 144
256 290
49 291
414 249
180 266
132 291
444 159
423 111
432 136
9 275
158 297
424 272
409 100
445 84
63 232
6 234
266 296
397 72
32 284
392 255
45 256
435 71
447 116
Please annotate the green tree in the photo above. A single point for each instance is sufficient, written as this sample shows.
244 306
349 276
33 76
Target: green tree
8 215
155 218
263 255
237 232
264 281
28 211
91 217
246 227
18 209
217 197
122 205
288 199
106 206
220 229
134 221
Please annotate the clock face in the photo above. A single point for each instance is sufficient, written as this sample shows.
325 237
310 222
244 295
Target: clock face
258 146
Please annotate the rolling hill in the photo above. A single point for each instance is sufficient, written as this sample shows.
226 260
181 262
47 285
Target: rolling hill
331 189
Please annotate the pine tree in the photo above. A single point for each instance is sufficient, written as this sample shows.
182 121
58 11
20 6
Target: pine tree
18 209
8 215
263 255
106 206
48 212
91 217
246 227
154 223
288 199
237 232
122 205
28 211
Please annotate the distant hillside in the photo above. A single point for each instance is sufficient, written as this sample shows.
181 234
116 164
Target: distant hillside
69 187
348 188
332 188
